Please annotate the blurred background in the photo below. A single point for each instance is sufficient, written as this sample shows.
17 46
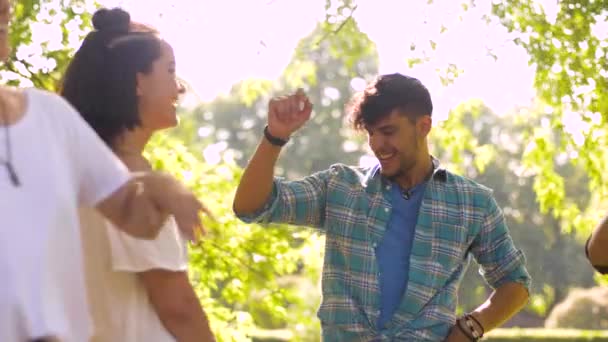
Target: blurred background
520 89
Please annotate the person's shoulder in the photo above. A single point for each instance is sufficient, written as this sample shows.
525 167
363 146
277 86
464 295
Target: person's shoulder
351 174
54 109
36 94
350 169
466 184
48 99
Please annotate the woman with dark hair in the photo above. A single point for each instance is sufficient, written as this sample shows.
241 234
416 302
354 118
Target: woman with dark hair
46 174
122 81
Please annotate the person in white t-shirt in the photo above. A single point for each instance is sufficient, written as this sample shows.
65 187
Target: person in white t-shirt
122 81
52 162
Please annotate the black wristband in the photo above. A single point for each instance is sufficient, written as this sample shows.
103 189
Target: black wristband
272 139
465 331
483 330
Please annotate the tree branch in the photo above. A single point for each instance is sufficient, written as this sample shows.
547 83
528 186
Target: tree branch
339 28
10 66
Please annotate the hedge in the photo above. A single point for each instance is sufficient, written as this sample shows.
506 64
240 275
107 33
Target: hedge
498 335
546 335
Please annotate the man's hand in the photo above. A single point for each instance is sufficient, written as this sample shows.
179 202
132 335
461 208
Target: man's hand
142 205
286 114
171 197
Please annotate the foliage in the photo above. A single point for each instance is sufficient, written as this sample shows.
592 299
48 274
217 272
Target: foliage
488 147
569 51
243 271
236 263
43 35
567 42
582 309
235 121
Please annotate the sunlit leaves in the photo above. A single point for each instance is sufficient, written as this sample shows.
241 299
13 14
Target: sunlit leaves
43 36
342 35
457 140
237 266
570 59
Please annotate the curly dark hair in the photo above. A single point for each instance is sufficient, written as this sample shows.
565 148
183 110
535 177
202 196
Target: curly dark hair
385 94
101 80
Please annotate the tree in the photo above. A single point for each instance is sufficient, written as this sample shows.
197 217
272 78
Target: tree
43 35
488 148
327 74
570 56
567 43
233 125
236 262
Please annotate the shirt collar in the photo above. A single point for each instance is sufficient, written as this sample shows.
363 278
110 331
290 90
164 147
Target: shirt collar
439 173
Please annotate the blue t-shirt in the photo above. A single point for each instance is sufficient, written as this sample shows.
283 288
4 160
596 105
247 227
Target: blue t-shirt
393 253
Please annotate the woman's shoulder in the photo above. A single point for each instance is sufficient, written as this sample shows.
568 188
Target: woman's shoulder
47 98
53 109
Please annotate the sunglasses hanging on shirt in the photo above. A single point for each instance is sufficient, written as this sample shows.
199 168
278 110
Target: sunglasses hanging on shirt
8 162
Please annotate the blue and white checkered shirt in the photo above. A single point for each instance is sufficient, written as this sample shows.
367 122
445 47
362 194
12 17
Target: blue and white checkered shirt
352 207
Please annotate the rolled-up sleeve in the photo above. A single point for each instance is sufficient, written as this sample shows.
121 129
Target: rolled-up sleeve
493 248
263 214
300 202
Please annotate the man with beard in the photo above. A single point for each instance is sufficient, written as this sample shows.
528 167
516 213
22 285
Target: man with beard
398 234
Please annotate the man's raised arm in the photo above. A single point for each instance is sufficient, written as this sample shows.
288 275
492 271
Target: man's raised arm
285 115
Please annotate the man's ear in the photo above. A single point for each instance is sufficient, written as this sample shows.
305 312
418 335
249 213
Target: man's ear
424 124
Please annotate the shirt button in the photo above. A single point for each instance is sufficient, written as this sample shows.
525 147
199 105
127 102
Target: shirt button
374 245
388 187
386 210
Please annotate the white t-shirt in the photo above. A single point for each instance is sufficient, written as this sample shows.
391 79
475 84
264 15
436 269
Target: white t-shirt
62 164
120 307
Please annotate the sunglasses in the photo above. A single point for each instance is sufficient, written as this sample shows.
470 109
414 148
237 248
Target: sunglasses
8 162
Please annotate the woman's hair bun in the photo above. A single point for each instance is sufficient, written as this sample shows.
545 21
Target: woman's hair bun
115 20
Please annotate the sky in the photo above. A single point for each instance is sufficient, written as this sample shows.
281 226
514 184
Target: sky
217 43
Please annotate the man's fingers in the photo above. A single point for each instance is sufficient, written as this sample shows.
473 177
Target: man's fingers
206 210
201 231
294 103
301 99
307 108
272 106
186 226
283 108
154 218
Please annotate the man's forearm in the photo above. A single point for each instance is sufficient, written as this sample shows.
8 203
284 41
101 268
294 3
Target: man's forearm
255 186
503 303
598 244
132 212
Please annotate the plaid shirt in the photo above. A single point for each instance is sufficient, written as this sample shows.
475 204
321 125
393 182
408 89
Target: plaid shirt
352 207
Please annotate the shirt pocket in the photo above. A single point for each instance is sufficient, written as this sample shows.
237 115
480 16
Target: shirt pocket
449 248
345 215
